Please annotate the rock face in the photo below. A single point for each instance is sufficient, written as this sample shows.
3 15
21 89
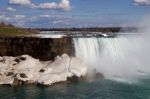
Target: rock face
25 70
40 48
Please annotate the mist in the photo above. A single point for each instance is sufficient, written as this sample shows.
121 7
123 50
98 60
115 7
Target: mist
125 58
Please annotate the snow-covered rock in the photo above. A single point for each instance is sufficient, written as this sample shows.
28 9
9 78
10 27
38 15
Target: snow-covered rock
27 69
77 67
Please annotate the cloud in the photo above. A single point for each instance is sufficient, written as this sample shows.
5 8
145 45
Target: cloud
20 2
4 18
46 20
142 2
10 9
52 5
19 17
64 22
64 4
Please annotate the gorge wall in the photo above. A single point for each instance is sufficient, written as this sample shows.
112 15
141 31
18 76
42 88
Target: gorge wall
40 48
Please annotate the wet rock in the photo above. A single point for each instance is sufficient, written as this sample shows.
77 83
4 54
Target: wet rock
22 75
20 82
12 69
22 58
99 76
41 70
17 60
2 60
14 64
10 74
73 79
17 81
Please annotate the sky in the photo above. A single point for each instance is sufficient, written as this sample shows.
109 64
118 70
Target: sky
73 13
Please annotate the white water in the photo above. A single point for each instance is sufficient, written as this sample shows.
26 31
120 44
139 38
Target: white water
123 58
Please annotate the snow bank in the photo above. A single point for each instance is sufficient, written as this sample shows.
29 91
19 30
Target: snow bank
25 69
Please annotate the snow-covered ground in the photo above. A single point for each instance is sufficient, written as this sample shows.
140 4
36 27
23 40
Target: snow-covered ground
27 69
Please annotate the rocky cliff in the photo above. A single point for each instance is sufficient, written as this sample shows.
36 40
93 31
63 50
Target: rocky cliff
40 48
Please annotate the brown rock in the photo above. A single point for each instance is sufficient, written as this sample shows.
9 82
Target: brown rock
41 70
2 61
48 48
73 79
22 75
22 58
10 74
17 60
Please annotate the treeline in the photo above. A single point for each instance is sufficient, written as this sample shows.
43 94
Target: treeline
91 29
82 29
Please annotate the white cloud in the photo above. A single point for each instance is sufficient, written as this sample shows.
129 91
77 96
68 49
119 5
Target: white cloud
61 22
20 2
19 17
10 9
48 5
64 4
143 2
19 20
45 16
4 18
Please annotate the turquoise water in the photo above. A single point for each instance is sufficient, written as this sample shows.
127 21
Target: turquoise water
104 89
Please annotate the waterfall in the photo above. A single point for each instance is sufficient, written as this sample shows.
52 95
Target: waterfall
123 58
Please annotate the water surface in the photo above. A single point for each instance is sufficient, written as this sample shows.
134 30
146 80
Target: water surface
104 89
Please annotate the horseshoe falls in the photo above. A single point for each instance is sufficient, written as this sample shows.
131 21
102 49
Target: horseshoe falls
124 58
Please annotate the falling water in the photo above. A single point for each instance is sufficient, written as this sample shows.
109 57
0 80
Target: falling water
123 58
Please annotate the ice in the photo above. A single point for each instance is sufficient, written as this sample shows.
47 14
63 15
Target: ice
27 69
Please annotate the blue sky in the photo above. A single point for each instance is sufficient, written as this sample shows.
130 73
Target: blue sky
73 13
